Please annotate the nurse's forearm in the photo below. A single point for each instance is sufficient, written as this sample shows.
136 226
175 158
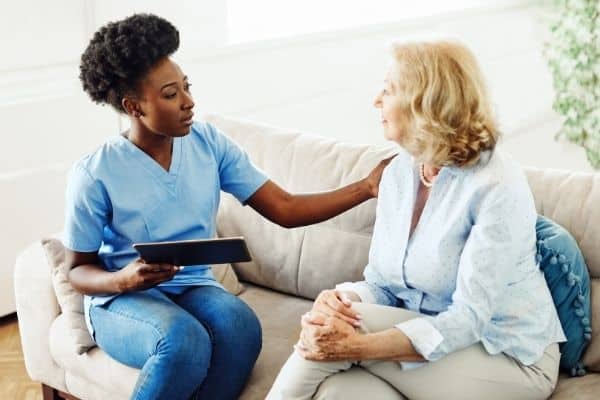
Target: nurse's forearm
307 209
92 279
292 210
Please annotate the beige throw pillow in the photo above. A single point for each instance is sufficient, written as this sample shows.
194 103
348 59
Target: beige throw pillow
71 302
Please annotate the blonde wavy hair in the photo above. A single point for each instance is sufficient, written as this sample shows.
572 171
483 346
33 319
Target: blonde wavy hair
445 98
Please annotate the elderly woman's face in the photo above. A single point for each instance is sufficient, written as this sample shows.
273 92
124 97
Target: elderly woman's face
391 102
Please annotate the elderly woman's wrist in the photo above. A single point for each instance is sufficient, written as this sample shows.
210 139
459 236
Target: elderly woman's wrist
362 347
390 344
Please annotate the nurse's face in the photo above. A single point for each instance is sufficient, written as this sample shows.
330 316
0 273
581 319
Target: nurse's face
165 102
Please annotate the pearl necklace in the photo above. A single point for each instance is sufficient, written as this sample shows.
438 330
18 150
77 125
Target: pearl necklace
425 182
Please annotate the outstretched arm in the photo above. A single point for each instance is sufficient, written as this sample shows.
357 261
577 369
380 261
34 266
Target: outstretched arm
292 210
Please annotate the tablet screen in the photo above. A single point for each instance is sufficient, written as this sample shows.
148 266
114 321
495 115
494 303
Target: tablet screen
195 252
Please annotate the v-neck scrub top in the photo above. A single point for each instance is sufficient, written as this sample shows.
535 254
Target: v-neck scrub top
118 195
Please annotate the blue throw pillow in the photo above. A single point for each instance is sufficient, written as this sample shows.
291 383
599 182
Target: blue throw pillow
567 277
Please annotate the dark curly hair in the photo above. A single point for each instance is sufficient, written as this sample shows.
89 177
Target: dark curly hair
121 53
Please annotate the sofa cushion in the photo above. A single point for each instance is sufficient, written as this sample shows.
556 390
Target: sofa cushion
567 277
71 302
583 388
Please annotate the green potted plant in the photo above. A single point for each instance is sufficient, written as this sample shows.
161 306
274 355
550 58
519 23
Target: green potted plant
573 54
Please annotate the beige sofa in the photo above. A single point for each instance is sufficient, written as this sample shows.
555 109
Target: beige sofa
290 267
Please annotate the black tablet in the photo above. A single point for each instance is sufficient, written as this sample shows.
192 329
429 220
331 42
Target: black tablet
195 252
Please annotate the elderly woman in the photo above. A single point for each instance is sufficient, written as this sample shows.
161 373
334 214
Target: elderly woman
463 311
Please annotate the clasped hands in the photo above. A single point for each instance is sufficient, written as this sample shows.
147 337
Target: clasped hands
329 329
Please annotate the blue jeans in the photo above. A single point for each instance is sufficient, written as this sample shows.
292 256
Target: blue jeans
200 344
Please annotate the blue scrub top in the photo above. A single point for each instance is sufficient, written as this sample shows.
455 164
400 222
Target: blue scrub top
118 195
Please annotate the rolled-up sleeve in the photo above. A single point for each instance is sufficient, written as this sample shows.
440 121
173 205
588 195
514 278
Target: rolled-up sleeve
484 270
361 288
237 174
86 211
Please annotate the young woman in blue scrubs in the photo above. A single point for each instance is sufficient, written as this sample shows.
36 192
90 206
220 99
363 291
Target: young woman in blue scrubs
161 180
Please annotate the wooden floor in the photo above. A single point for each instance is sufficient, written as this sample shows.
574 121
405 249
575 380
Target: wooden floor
14 381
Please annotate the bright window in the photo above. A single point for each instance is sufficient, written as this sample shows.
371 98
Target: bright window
267 19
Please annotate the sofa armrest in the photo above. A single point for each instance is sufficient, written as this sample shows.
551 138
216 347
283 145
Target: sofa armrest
37 308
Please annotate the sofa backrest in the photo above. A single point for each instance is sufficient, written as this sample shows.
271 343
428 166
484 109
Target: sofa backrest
304 261
300 261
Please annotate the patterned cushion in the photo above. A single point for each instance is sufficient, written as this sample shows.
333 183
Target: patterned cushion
567 277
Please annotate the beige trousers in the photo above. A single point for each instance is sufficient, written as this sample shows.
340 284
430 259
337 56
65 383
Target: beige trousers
471 373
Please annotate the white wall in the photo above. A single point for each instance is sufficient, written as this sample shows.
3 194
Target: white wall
322 83
325 83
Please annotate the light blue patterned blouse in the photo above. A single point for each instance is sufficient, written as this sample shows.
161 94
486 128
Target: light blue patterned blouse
469 265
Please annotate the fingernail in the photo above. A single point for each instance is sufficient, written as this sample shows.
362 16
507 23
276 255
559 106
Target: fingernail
358 316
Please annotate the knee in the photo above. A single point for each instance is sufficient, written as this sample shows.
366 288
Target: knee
186 342
335 387
249 324
249 332
240 326
327 391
